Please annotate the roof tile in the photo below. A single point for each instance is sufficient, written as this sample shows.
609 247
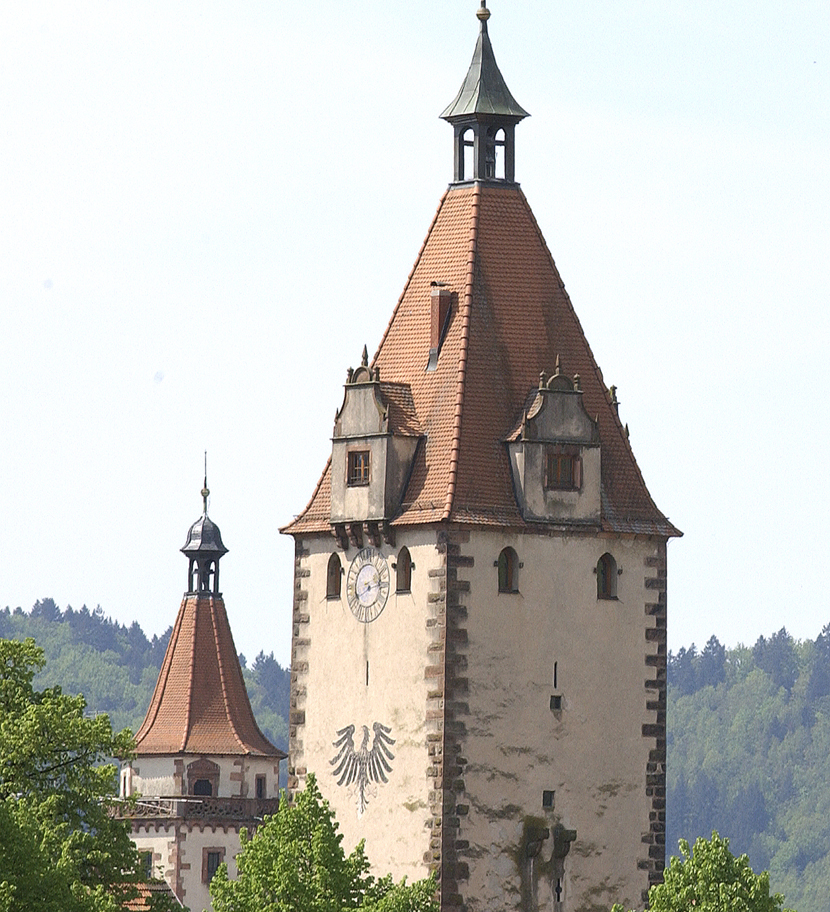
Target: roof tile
512 320
200 704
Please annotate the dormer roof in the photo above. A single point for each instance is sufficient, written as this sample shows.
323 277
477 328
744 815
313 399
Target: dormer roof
200 704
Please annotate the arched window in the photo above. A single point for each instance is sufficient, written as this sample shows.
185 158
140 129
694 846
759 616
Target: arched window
508 564
467 163
495 154
333 575
606 577
404 571
203 787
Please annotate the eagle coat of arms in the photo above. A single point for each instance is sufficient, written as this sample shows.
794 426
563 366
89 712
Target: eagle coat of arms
360 769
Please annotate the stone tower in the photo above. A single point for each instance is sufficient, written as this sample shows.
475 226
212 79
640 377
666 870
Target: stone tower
203 769
479 627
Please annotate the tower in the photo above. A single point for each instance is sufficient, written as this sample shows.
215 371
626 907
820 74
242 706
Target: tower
202 769
479 649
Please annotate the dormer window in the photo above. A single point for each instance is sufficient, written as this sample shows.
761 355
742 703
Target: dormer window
563 471
358 468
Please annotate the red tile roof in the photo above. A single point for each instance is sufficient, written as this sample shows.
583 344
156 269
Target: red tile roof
143 901
200 704
512 319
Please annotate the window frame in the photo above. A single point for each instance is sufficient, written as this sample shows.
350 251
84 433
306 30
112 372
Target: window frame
561 456
358 468
207 851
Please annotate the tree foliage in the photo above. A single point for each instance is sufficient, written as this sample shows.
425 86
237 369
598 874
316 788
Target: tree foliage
709 878
749 756
295 863
60 851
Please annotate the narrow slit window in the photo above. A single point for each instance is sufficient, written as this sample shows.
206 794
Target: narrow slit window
508 564
333 577
606 577
260 787
403 571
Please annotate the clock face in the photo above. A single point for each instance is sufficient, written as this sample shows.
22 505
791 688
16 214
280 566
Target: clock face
367 585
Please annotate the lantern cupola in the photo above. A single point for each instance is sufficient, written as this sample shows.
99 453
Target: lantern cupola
484 115
204 548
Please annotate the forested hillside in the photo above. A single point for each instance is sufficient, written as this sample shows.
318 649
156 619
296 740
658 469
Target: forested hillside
748 743
749 756
115 667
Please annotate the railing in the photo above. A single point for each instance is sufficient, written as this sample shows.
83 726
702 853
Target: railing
192 807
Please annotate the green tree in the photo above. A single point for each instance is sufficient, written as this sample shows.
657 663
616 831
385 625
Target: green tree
60 851
711 879
295 863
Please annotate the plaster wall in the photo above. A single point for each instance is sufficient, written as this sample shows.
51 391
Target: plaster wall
332 692
154 776
160 843
193 842
196 841
591 754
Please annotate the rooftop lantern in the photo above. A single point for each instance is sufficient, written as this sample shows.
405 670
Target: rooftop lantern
204 548
484 116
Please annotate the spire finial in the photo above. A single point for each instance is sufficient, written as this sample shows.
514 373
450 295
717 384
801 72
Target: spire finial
483 14
205 489
365 357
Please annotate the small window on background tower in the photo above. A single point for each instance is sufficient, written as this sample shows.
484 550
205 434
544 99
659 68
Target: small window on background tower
358 468
606 577
211 859
508 564
260 787
333 577
403 571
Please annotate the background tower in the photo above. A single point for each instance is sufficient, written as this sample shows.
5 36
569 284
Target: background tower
203 769
478 665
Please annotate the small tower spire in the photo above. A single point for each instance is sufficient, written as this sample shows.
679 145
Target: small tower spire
484 115
203 549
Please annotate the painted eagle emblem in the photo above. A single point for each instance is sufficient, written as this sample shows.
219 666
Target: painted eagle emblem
361 768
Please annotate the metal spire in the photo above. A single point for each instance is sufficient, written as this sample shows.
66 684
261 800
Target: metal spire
205 489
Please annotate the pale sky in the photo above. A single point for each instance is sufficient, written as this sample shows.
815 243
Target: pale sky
207 208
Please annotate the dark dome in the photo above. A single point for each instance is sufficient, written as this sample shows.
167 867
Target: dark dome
204 537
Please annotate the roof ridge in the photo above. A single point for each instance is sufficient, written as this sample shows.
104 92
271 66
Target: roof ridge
475 210
222 677
189 702
597 370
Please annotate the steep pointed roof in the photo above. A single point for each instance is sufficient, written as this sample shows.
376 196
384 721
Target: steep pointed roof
512 319
200 704
484 90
